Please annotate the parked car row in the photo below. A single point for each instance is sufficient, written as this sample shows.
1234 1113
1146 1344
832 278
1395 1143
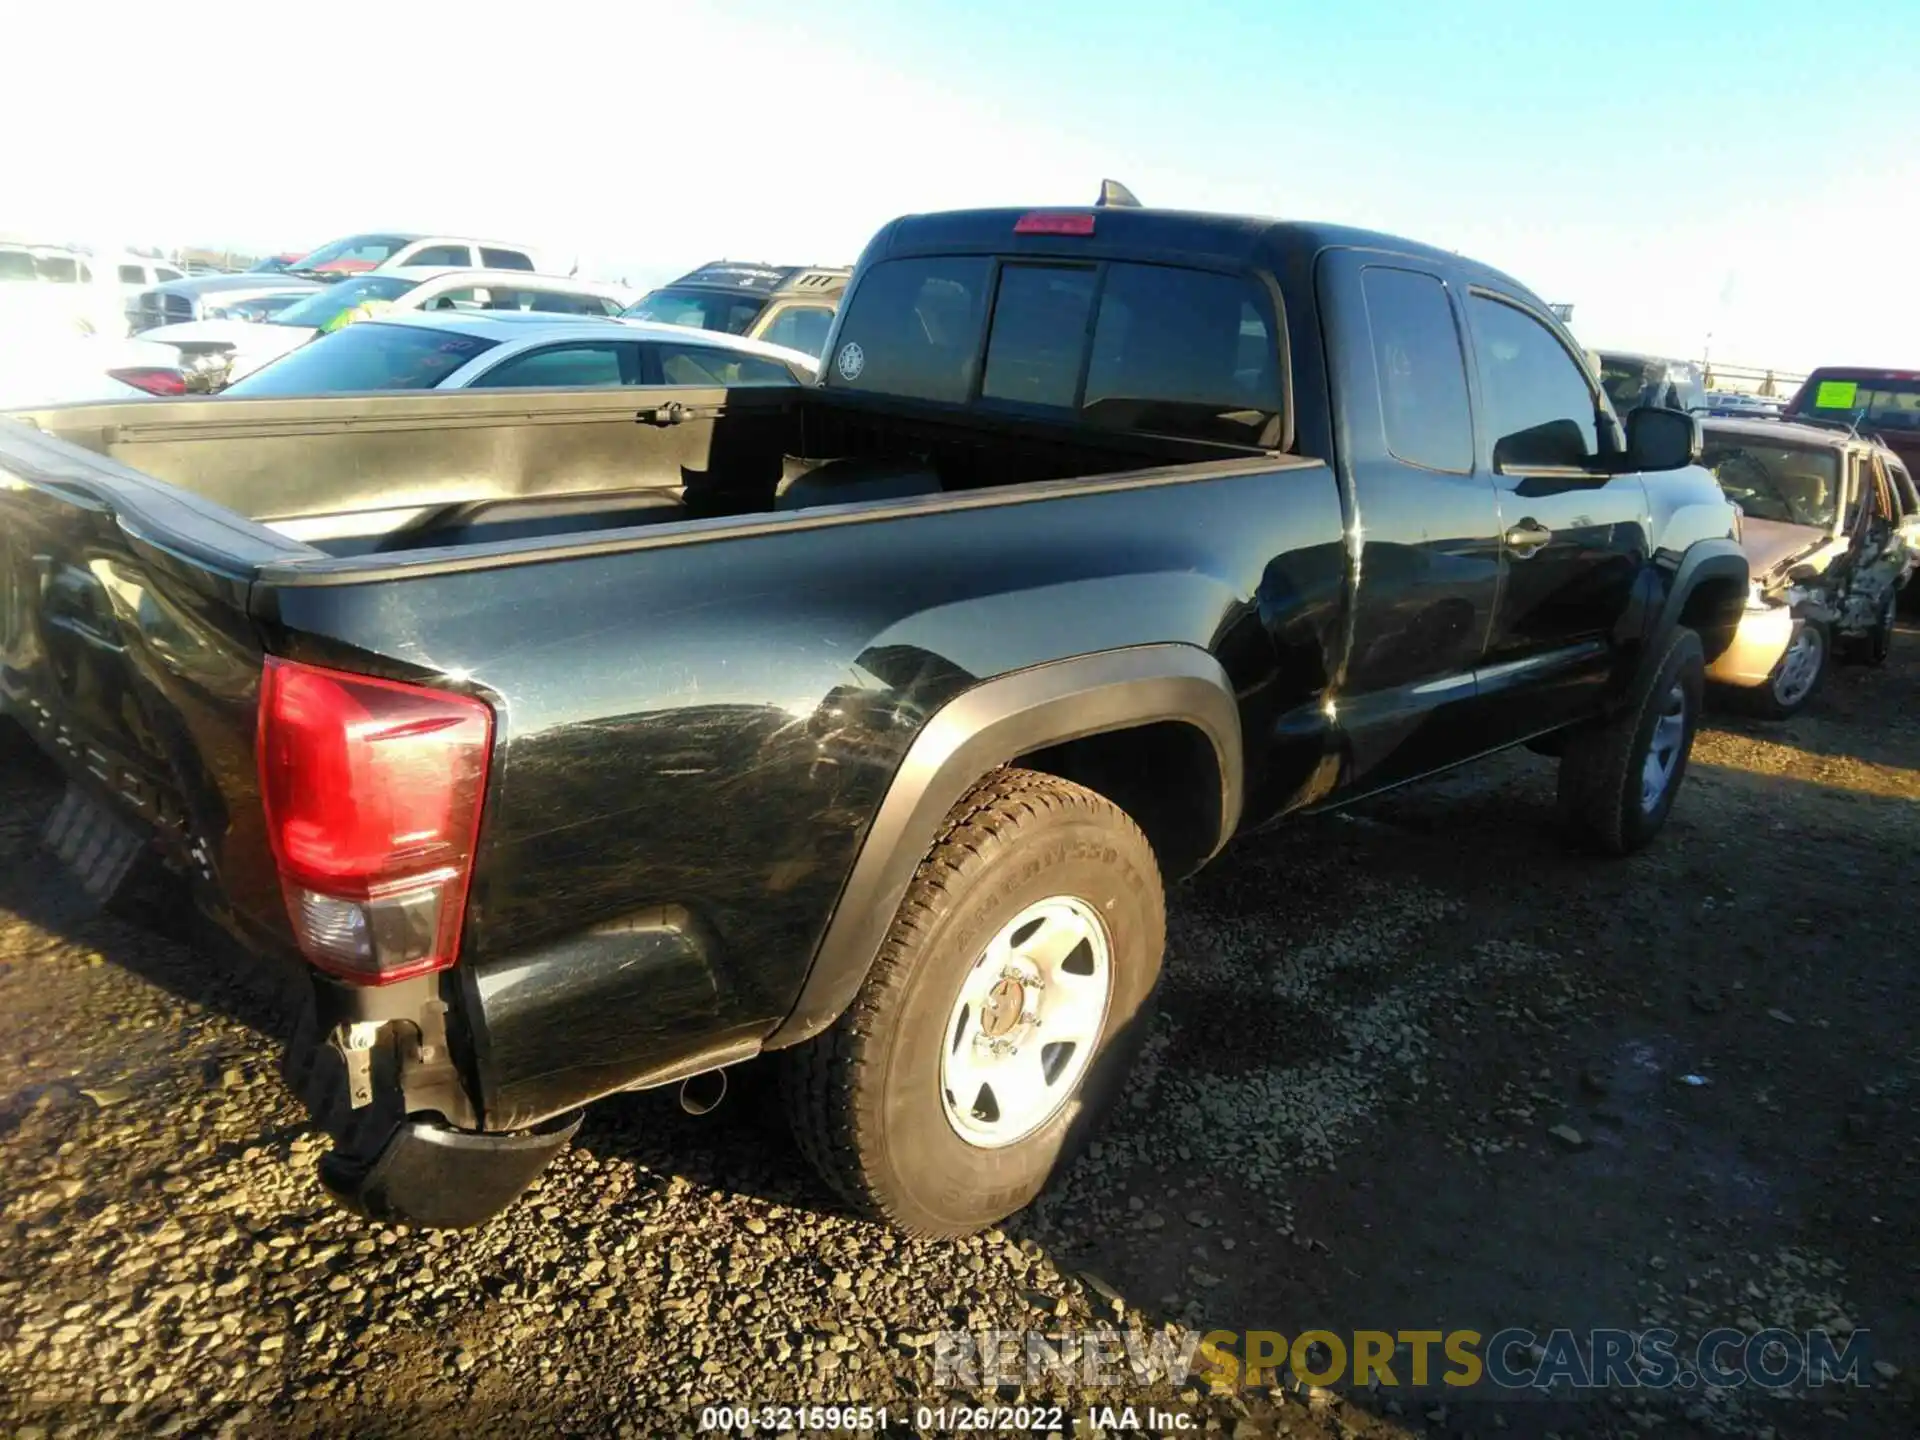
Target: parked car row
214 297
226 349
200 334
521 349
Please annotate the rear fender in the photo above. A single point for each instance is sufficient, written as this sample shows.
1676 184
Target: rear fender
977 732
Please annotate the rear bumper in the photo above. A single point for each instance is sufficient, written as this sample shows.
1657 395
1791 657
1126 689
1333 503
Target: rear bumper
434 1175
1757 646
395 1161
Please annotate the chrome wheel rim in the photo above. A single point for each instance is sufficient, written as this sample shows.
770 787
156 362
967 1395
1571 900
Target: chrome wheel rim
1664 749
1026 1022
1799 667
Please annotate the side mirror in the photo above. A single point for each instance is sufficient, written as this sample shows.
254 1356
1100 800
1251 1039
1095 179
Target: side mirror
1661 439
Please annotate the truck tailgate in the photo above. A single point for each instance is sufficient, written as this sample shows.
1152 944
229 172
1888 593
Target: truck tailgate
127 653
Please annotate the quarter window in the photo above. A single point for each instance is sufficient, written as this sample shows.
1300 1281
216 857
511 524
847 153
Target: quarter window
1540 410
800 327
505 259
704 365
1421 371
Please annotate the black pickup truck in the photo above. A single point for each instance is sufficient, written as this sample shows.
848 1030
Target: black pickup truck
587 741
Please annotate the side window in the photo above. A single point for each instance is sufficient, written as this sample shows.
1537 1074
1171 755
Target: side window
161 272
1039 332
505 259
703 365
800 327
738 314
1876 502
1540 411
468 297
442 255
132 275
1904 493
553 302
563 365
1421 368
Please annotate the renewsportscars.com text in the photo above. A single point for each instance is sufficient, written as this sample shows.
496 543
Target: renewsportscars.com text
1512 1359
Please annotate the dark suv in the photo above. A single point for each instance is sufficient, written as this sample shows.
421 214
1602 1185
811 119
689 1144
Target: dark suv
782 305
1633 380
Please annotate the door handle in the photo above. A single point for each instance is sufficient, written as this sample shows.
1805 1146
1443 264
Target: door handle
672 413
1528 536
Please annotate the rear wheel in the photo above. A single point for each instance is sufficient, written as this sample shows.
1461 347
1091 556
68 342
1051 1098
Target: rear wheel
1618 779
1000 1018
1877 644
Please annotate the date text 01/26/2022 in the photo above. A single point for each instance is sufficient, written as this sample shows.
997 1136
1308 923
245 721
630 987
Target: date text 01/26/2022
933 1419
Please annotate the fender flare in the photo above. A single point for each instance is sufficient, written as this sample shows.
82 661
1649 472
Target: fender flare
1718 558
974 734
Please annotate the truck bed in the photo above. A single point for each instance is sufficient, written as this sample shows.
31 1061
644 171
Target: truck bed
359 476
747 613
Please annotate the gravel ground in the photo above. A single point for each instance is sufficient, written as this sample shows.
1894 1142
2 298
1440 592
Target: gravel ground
1416 1068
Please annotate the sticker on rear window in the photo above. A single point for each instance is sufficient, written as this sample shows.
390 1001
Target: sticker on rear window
1836 394
852 360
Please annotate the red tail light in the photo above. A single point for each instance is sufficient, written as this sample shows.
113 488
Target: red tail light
154 379
372 795
1054 222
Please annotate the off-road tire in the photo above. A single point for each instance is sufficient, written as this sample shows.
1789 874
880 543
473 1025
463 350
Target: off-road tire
1600 772
864 1097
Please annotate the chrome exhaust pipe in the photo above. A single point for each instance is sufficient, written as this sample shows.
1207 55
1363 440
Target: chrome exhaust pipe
701 1094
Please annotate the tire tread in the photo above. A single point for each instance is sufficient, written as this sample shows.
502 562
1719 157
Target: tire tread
823 1077
1594 767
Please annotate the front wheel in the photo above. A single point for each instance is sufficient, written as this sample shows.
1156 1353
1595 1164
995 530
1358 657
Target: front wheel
1618 779
1798 675
1000 1017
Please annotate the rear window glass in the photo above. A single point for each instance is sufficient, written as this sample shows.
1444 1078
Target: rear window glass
1183 352
364 357
1881 402
699 309
1169 351
1039 335
914 329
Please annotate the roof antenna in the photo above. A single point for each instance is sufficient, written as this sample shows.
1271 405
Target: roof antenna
1113 193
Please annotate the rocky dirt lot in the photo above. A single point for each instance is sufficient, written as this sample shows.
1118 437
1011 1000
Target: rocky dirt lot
1416 1068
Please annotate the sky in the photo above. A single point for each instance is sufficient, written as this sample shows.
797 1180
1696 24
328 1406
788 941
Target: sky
1676 171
